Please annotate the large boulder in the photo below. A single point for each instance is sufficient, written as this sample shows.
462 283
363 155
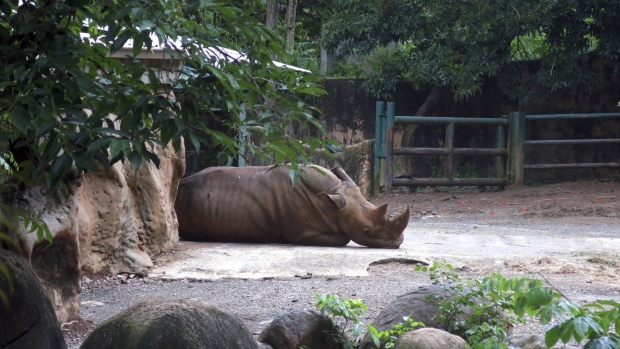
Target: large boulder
413 304
296 328
160 324
419 304
430 338
27 319
99 224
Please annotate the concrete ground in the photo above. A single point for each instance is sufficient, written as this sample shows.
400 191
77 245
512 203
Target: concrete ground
425 240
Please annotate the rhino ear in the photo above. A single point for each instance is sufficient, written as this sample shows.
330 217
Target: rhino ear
332 200
378 214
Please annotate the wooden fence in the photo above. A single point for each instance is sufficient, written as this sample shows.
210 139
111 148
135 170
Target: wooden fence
509 153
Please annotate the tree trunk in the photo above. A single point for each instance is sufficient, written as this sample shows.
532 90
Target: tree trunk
291 13
272 15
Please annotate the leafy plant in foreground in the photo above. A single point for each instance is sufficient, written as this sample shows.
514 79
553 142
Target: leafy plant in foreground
343 312
592 322
496 303
390 336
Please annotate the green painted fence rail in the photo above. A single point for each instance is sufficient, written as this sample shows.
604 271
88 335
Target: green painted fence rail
385 150
509 152
534 117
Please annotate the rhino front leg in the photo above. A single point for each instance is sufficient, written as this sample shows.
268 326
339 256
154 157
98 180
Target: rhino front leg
321 239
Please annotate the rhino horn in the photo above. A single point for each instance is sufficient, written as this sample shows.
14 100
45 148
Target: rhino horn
339 172
378 214
399 223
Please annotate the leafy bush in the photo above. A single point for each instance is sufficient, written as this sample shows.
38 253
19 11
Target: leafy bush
498 303
390 336
346 311
342 313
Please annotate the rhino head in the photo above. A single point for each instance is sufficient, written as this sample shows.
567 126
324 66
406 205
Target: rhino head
363 222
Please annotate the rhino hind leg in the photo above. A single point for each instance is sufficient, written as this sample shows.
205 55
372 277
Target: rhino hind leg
322 239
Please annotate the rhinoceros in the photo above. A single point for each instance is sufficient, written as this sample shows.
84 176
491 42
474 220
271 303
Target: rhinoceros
260 205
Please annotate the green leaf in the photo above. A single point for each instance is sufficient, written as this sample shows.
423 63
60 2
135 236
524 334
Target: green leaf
566 330
120 41
96 145
19 119
84 163
26 222
124 11
581 328
552 336
48 234
138 42
521 306
195 141
145 25
44 129
545 314
136 160
609 303
603 342
61 165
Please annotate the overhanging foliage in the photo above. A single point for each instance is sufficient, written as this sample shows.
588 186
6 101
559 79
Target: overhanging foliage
66 103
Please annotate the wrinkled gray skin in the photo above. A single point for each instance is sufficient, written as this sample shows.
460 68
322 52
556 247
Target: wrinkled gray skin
259 204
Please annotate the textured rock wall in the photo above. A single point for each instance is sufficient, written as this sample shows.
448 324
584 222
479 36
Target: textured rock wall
56 264
128 216
102 224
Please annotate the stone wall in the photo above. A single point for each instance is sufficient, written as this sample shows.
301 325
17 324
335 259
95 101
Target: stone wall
128 216
112 224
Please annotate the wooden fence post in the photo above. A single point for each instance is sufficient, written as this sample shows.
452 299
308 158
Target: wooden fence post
500 163
376 178
449 170
517 145
389 147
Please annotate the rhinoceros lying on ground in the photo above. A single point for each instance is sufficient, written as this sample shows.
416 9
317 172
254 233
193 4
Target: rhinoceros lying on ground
258 204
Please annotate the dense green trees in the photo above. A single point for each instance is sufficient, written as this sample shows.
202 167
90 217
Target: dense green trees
460 43
65 102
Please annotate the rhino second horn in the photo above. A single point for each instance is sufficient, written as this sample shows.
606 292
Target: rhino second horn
401 220
379 214
339 172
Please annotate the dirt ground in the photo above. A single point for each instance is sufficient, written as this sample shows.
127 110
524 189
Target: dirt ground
564 210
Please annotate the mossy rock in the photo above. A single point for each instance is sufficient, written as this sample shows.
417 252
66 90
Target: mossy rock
157 324
27 317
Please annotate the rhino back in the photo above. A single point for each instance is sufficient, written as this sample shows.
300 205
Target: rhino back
249 204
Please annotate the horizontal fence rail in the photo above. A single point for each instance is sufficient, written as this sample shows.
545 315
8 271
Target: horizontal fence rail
571 116
445 120
385 150
509 153
546 142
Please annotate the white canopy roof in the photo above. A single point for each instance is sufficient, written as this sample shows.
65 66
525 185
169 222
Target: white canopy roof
158 52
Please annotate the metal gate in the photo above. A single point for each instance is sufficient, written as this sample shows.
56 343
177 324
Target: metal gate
385 150
519 134
509 152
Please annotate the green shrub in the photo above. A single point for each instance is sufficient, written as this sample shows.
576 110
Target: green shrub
344 312
498 303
